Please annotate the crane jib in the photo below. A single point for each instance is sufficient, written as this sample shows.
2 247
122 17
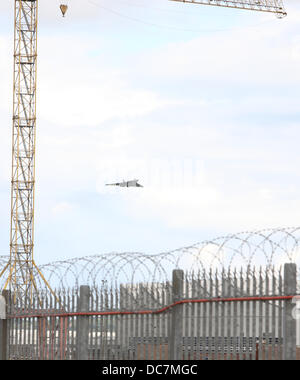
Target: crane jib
272 6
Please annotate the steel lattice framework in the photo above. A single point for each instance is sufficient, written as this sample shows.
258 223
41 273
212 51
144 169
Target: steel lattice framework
273 6
23 153
21 264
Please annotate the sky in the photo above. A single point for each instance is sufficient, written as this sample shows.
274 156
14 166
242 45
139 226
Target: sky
199 103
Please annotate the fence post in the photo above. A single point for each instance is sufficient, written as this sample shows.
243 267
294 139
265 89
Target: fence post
4 299
83 323
289 323
176 335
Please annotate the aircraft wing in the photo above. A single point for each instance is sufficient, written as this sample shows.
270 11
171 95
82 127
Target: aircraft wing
113 184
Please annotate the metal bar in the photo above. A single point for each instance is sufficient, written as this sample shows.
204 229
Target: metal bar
73 325
280 312
273 6
229 317
261 319
125 325
273 318
223 316
117 321
111 328
158 349
169 319
205 317
163 318
199 317
105 322
254 318
247 319
267 315
193 320
235 317
136 327
241 304
186 316
209 315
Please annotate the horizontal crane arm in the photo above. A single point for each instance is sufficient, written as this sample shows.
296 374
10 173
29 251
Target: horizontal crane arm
273 6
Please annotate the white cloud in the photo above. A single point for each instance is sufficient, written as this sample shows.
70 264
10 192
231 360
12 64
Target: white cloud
83 91
61 209
265 54
210 207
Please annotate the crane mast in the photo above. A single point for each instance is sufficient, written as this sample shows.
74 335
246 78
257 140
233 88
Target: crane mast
21 266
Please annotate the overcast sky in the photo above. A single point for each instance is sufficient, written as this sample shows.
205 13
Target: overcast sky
199 103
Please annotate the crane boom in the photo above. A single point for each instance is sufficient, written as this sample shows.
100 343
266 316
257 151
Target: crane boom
273 6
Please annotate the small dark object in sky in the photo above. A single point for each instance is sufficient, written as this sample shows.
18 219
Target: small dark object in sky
132 183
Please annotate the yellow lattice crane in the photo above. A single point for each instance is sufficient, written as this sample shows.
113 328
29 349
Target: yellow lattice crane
21 268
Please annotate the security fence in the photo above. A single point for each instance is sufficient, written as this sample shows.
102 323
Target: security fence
247 314
266 248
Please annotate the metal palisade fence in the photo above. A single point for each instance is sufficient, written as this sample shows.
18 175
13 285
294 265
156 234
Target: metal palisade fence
245 314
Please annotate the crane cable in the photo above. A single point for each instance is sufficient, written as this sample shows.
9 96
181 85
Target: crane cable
173 27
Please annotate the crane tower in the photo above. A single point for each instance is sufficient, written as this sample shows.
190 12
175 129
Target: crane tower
21 266
23 150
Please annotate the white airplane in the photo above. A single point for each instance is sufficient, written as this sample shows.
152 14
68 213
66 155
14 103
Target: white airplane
132 183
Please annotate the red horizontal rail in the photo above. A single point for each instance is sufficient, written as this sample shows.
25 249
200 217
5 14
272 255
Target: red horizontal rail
158 311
